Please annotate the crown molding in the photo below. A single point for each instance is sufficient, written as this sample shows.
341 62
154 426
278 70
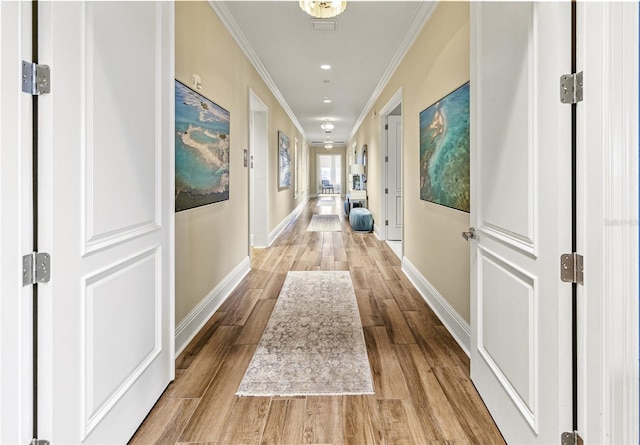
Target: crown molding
232 26
419 20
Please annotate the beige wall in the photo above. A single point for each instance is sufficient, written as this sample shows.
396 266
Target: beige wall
436 64
212 240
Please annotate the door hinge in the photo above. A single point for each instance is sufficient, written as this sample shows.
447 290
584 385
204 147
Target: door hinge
386 159
386 191
39 442
571 268
386 222
572 438
571 88
386 126
36 268
36 79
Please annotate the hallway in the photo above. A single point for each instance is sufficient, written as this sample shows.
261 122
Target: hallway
421 376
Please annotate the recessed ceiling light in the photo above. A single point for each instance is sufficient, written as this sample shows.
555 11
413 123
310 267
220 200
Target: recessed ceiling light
325 67
326 100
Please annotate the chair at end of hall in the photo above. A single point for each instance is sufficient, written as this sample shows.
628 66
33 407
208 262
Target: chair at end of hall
327 187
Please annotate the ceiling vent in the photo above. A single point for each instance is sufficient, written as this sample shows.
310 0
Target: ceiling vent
324 25
324 142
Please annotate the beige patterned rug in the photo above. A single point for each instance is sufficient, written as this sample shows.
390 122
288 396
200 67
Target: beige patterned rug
313 343
324 223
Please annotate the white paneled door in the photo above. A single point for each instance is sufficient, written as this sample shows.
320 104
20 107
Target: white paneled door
521 209
394 178
106 217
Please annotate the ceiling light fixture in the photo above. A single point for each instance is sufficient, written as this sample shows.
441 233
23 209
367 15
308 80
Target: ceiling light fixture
325 67
326 100
328 146
327 126
323 9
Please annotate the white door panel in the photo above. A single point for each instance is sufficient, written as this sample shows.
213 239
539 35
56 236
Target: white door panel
107 213
16 223
394 178
258 167
521 209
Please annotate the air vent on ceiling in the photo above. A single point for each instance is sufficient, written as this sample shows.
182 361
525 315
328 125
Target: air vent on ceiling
324 25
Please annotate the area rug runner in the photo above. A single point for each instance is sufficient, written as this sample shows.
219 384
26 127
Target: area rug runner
326 202
324 223
313 343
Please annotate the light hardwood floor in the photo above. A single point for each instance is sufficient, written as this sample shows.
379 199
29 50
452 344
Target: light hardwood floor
421 376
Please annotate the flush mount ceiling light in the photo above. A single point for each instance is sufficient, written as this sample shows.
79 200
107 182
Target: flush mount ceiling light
326 100
323 9
328 146
325 67
327 126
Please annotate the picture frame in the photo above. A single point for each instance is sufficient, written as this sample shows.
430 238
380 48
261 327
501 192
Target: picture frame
202 150
444 150
364 163
284 161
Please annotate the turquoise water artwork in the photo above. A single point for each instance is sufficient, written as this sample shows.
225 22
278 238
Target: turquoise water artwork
444 151
202 150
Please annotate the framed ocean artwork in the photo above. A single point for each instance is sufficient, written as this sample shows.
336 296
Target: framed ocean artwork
444 151
202 150
284 161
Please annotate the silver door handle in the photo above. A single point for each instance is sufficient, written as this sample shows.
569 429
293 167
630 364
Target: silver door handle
471 234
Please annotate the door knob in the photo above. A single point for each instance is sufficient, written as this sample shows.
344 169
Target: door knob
471 234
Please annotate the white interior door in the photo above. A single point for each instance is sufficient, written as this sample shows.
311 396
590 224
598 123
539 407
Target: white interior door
394 178
106 217
16 226
258 168
521 208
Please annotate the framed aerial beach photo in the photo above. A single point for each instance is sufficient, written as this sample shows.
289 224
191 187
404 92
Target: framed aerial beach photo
284 161
202 150
444 151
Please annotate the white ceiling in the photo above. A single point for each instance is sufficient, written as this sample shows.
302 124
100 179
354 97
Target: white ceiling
369 42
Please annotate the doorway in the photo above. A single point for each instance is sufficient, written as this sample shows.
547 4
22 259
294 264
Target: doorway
329 174
392 174
258 168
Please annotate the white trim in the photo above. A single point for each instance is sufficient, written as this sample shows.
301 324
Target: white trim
16 224
234 29
198 317
378 232
455 324
258 173
391 105
608 223
413 30
275 233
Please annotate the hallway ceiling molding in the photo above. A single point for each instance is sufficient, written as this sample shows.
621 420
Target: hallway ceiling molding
419 20
370 41
228 20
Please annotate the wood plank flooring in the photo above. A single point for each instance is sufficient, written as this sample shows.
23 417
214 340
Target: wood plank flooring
421 376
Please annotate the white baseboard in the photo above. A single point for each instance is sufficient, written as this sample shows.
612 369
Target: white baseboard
192 323
285 222
377 231
455 324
